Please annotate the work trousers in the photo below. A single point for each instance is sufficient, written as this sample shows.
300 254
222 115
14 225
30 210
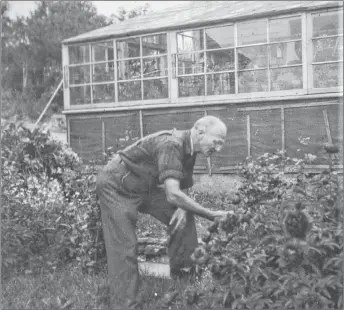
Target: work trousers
119 211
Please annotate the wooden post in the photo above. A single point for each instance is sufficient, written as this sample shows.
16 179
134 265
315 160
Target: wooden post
248 128
283 130
103 139
68 131
141 124
327 126
209 166
208 158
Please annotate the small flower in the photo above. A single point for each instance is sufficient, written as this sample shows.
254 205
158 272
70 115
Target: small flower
310 157
305 140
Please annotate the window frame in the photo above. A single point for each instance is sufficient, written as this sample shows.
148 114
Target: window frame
264 94
116 81
311 89
172 66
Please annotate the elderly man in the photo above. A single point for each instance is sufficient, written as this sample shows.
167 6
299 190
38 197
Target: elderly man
129 184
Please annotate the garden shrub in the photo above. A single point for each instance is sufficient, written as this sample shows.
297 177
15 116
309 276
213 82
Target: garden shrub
282 247
50 214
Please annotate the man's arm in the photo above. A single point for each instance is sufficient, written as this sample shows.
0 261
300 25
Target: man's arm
178 198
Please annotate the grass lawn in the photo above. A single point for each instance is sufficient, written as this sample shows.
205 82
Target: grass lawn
71 289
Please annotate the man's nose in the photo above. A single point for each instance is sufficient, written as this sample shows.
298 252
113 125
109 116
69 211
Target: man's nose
218 148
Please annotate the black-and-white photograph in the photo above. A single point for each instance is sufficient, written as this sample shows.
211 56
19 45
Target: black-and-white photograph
172 155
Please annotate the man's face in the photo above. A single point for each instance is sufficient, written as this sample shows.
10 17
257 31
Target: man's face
212 140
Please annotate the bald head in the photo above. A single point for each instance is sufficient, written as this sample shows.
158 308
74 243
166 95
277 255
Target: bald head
208 135
210 123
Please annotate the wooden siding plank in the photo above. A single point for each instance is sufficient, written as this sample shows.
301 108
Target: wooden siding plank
265 131
86 138
166 120
175 111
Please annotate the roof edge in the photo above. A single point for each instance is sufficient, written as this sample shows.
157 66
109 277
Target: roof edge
199 24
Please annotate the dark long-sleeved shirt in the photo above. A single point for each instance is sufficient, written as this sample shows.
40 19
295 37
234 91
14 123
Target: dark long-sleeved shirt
156 157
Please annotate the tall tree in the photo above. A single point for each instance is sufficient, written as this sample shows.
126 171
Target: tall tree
125 14
32 48
35 45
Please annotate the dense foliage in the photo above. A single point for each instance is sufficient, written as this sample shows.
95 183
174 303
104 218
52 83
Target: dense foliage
31 56
50 214
283 245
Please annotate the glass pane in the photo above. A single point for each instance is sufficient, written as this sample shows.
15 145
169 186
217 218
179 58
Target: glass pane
191 63
220 60
253 81
154 45
129 69
284 54
156 66
219 37
79 54
326 24
252 32
103 93
328 75
79 74
282 29
102 51
286 78
80 95
128 91
103 72
328 49
219 84
189 41
155 89
253 57
191 86
128 48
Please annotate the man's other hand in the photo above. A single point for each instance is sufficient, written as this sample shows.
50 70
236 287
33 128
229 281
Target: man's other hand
178 220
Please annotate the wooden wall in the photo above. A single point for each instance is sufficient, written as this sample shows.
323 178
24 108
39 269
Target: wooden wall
299 127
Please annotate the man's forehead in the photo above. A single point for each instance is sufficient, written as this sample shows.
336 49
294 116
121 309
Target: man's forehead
218 130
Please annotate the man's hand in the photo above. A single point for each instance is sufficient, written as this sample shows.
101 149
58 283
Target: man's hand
178 220
220 214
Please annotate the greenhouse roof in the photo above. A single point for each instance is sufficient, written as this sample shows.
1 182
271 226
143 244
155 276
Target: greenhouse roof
198 13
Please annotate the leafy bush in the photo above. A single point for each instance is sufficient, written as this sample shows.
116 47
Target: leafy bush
50 214
282 247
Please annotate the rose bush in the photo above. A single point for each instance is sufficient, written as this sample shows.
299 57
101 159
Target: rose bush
283 245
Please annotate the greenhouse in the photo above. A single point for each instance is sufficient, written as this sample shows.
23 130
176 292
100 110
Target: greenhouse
273 71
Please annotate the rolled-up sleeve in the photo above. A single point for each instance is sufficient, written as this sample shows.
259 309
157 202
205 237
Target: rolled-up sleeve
170 162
